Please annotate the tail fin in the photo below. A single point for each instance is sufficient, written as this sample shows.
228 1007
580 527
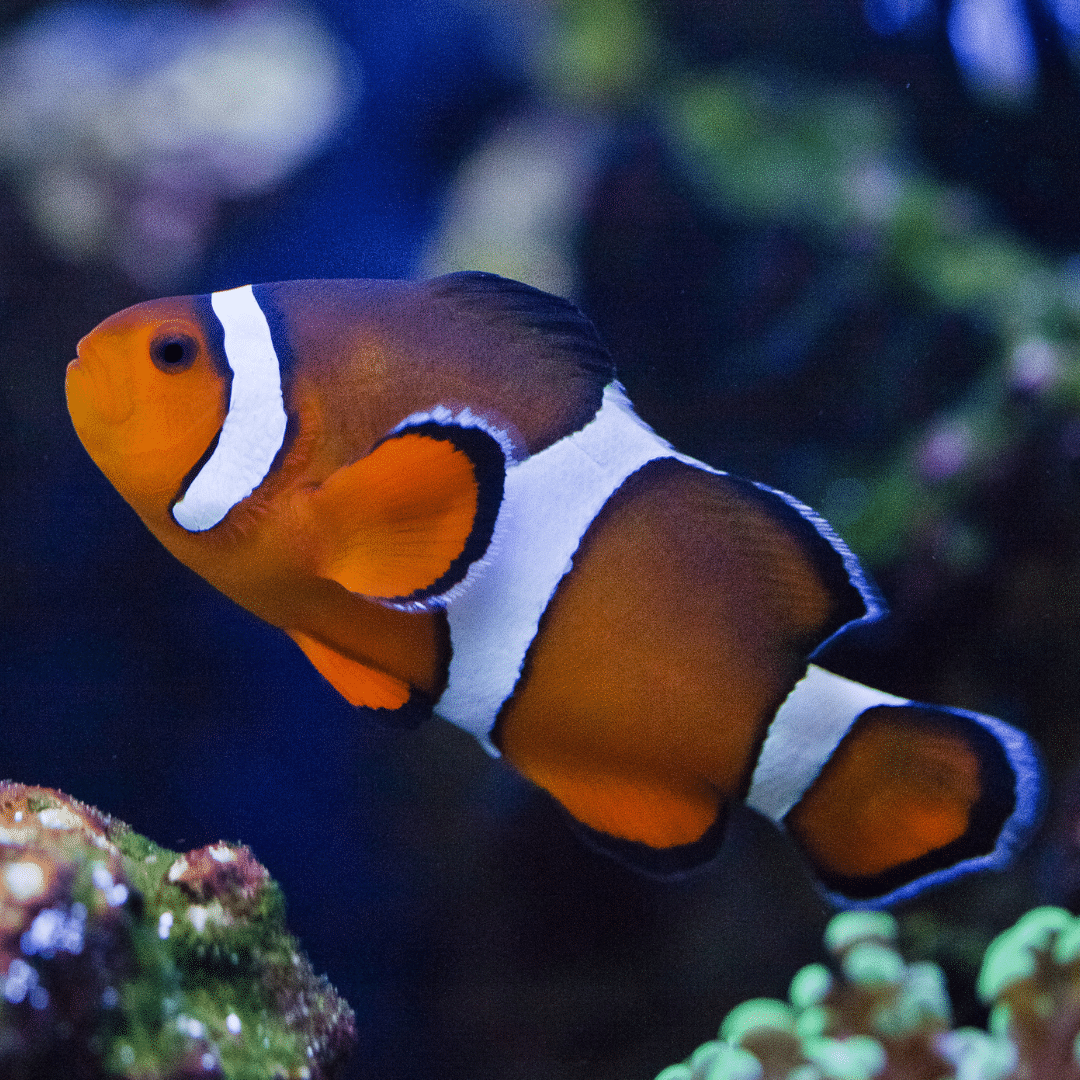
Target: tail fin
909 795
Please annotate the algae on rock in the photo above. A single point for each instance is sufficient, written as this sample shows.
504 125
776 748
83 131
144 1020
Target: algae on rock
124 959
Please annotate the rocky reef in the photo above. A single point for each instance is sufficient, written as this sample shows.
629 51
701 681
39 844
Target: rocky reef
123 959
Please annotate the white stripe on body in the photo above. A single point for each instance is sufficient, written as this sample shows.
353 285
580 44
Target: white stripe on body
549 500
806 730
254 428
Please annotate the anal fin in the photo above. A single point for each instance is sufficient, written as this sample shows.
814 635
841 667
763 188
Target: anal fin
666 863
643 810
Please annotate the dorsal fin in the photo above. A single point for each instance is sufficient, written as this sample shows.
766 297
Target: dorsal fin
555 327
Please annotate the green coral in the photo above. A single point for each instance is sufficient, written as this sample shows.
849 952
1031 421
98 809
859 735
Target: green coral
874 1014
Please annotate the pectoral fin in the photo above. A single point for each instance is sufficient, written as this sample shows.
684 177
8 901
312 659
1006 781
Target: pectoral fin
404 523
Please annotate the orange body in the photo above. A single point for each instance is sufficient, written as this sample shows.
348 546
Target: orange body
693 605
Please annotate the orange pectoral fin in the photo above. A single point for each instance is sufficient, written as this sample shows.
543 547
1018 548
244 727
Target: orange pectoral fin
909 792
357 683
405 522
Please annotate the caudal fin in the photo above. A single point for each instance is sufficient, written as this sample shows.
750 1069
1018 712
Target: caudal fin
915 795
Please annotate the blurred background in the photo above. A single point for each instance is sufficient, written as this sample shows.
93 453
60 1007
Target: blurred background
834 246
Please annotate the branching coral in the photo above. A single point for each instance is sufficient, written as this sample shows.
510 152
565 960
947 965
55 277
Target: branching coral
871 1014
123 959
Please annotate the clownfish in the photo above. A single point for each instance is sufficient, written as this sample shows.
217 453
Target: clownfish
440 492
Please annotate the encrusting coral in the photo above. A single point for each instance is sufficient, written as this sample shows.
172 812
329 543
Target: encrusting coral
123 959
871 1014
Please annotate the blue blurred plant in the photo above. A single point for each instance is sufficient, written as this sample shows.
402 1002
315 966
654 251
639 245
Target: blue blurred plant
125 128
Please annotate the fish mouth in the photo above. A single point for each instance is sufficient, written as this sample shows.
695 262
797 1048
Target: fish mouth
91 394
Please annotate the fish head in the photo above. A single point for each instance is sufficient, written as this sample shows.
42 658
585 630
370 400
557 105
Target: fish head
148 395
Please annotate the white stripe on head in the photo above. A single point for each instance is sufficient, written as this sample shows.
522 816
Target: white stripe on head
254 429
806 730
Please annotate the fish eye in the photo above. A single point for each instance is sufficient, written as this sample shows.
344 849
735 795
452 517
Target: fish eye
174 352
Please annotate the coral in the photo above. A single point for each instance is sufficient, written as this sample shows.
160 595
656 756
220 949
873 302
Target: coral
871 1014
123 959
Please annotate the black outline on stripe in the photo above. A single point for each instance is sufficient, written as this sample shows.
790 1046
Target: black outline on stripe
214 336
189 479
267 297
214 333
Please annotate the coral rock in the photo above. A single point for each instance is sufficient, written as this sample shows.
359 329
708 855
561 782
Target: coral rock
123 959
